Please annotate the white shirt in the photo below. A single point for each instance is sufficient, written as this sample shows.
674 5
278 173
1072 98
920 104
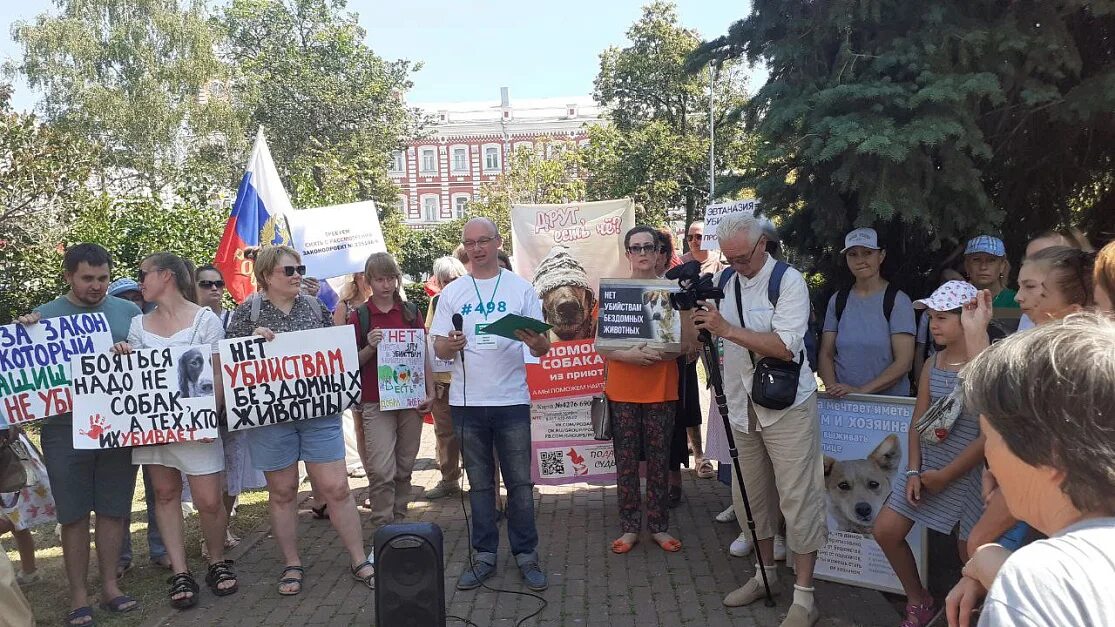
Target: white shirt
1025 323
790 321
493 373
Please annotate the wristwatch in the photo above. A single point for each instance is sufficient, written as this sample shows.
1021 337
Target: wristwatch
913 473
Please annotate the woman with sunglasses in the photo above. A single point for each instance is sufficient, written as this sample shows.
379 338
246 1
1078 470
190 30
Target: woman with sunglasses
167 281
276 449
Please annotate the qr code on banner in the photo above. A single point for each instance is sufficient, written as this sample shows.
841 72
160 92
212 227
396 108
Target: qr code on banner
553 463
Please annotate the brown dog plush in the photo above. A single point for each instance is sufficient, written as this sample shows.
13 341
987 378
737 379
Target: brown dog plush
568 302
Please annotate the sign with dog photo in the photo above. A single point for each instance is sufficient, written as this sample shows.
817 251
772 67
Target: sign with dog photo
638 311
149 396
864 440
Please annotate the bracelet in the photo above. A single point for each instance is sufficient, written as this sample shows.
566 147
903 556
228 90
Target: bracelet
913 473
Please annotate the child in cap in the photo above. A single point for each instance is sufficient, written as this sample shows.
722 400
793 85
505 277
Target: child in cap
987 268
941 486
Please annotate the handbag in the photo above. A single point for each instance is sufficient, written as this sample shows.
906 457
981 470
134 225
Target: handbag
936 423
774 384
601 414
15 474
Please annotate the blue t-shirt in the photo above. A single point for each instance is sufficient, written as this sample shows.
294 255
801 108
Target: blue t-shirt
119 313
863 349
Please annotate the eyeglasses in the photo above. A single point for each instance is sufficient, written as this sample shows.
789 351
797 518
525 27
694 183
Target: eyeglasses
142 274
483 241
208 285
694 236
745 261
293 270
642 249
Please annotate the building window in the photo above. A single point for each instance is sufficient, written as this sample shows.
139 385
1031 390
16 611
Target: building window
460 204
429 161
491 158
460 159
429 208
397 161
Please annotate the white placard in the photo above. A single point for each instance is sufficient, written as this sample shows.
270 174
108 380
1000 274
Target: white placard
401 369
149 396
336 241
715 213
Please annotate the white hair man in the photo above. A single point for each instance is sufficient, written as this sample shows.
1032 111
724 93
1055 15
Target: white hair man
779 450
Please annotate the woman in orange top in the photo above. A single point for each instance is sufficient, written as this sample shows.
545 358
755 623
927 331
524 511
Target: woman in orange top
642 387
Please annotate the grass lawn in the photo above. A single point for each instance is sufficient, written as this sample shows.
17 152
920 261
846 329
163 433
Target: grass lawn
146 582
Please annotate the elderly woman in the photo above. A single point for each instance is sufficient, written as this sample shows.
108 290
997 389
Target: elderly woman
1062 483
445 271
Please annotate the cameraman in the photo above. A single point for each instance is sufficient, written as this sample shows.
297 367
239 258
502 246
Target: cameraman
779 450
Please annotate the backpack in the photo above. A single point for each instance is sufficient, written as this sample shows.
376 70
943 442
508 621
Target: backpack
888 302
364 316
774 289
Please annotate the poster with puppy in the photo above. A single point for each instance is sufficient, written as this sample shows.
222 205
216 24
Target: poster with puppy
864 440
638 311
149 396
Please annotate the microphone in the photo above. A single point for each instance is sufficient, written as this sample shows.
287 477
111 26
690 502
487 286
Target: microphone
459 325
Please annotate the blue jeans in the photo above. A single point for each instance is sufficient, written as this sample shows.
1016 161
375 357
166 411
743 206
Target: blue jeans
155 545
507 429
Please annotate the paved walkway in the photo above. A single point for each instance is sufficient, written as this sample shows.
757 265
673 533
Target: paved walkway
588 584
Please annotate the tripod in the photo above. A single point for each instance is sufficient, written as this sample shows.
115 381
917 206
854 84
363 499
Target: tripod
712 365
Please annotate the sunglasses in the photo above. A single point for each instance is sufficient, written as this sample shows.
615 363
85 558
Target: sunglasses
643 249
293 270
141 275
208 285
693 236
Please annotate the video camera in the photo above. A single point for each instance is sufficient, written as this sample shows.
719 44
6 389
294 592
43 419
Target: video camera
694 286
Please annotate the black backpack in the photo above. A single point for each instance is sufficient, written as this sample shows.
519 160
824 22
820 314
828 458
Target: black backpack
774 288
888 302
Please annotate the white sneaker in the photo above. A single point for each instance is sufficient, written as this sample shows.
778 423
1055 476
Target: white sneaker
741 546
779 548
727 515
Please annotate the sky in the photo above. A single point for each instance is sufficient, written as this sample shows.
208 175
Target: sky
471 48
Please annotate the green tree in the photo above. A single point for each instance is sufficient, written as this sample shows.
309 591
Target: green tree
931 121
135 79
656 147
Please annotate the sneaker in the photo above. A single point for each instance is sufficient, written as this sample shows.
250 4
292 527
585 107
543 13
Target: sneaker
441 490
779 548
476 574
533 576
727 515
752 591
922 614
741 546
798 616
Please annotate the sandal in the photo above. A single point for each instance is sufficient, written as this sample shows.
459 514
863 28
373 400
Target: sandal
673 545
369 580
619 547
320 513
81 612
220 572
182 583
116 606
231 541
705 469
284 580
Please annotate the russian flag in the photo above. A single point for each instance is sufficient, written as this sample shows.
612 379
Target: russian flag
258 218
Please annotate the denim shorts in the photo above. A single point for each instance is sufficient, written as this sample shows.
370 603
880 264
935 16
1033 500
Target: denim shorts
85 480
317 440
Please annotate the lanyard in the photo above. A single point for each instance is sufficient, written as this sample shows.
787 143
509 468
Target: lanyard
475 286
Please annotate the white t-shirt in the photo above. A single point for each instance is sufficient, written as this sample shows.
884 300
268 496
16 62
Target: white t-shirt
790 321
493 373
1025 323
1065 581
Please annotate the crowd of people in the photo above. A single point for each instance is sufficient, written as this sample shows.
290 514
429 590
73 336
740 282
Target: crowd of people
1021 470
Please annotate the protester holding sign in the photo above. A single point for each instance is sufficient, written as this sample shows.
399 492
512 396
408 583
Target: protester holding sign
642 390
392 436
177 320
868 341
88 480
277 448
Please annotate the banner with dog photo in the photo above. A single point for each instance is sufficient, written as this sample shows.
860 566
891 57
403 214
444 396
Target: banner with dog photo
864 440
564 250
149 396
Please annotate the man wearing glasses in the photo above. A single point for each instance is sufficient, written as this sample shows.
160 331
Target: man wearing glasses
710 260
489 400
779 450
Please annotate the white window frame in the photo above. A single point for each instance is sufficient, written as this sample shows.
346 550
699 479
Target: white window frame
398 162
453 159
459 212
426 207
499 158
422 169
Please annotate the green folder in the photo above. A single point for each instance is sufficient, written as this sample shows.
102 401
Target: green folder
507 325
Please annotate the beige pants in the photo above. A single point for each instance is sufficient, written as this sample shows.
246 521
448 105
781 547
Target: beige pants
14 610
783 470
448 448
391 440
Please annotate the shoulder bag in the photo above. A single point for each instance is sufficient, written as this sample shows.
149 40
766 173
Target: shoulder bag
774 384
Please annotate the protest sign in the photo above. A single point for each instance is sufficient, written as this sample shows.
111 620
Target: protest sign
35 364
299 375
570 369
335 241
565 451
149 396
401 369
715 213
638 311
864 440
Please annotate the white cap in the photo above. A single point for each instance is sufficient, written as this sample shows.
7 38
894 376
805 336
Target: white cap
865 237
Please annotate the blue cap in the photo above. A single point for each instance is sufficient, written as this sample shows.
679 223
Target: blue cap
986 244
119 286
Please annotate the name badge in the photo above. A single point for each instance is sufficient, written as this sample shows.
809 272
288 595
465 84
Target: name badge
483 341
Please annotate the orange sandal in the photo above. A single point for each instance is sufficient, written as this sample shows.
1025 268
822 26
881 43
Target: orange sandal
619 547
673 545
